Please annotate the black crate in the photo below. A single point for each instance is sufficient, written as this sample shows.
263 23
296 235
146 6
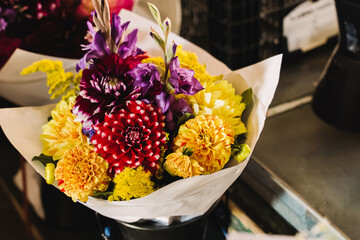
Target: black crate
237 32
245 31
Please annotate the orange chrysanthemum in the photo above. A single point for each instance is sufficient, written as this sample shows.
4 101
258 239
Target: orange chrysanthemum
179 164
80 172
210 139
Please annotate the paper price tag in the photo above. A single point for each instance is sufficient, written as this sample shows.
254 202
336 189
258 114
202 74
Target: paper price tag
310 24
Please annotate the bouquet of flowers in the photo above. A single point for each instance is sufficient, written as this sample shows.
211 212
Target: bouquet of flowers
142 136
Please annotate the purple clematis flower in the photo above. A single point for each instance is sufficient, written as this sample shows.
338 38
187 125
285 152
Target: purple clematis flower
183 79
146 76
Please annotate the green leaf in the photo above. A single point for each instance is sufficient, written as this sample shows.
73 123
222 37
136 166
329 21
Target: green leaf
44 159
184 118
155 13
247 96
188 151
103 195
157 38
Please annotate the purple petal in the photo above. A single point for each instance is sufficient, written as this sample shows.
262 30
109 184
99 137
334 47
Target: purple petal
96 49
183 79
145 76
3 24
129 45
174 48
91 29
116 29
162 101
88 131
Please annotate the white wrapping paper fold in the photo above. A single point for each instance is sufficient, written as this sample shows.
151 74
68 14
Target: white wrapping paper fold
192 196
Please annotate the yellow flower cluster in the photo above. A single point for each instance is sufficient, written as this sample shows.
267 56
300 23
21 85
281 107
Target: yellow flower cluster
61 133
132 183
81 172
190 60
209 138
61 83
220 99
158 61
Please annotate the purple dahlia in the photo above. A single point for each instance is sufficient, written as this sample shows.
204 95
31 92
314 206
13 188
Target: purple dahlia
105 88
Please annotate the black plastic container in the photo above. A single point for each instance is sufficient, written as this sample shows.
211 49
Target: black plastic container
194 229
337 97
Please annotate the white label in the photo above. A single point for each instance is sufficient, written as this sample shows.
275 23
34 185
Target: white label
310 24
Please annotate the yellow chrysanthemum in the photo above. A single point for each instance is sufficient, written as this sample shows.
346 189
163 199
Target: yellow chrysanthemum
81 172
210 139
132 183
220 99
61 133
61 83
179 164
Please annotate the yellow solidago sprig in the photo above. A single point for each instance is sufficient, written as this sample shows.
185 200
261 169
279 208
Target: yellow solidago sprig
61 133
60 83
132 183
81 172
189 60
181 164
210 139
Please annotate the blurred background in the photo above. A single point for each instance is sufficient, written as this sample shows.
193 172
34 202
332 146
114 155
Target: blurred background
305 168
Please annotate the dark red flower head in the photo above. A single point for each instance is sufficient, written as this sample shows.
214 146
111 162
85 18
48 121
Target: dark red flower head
105 88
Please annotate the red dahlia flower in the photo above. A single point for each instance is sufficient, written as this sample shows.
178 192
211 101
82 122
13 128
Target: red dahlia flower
132 137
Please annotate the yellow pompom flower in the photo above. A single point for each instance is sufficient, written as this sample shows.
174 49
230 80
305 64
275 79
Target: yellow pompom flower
61 83
81 172
220 99
132 183
180 164
61 133
210 139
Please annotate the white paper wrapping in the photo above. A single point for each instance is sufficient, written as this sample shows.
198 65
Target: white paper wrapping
192 196
28 90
